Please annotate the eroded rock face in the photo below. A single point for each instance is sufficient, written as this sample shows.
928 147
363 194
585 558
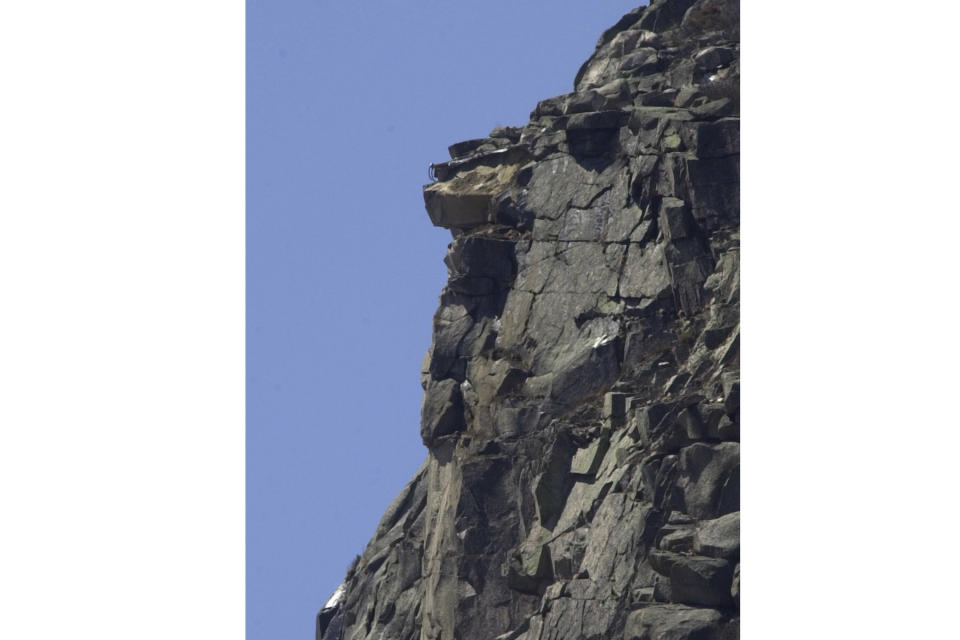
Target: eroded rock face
582 397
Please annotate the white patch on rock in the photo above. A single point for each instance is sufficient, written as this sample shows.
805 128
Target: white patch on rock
335 598
602 340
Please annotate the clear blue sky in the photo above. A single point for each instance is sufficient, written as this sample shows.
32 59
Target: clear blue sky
347 105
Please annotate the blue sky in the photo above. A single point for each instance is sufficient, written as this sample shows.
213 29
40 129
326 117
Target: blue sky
347 105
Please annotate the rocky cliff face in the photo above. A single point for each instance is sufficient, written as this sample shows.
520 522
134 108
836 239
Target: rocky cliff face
581 405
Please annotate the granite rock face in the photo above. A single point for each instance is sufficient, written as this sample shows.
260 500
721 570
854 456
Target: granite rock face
581 395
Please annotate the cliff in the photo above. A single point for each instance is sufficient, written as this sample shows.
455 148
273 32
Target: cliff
581 404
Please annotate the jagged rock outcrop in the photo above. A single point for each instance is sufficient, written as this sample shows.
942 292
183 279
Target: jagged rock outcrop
581 404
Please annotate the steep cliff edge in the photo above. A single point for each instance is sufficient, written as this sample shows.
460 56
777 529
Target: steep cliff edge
581 404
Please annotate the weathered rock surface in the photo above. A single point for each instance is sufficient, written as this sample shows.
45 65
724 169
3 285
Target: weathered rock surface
582 396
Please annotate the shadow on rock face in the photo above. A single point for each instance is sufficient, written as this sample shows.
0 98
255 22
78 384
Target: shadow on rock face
594 149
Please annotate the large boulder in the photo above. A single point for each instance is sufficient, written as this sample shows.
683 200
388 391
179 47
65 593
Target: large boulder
442 410
672 622
719 538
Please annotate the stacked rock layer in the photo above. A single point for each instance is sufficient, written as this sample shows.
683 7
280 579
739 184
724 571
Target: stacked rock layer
581 405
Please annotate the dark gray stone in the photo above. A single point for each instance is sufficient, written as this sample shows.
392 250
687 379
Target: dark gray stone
442 410
641 61
466 147
482 257
659 98
720 107
508 133
709 479
645 274
614 409
590 370
581 392
735 586
713 139
663 561
714 57
678 541
701 581
450 326
552 485
664 14
731 392
673 622
719 538
675 220
660 429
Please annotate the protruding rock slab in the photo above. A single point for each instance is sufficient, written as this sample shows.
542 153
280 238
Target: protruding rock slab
467 199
